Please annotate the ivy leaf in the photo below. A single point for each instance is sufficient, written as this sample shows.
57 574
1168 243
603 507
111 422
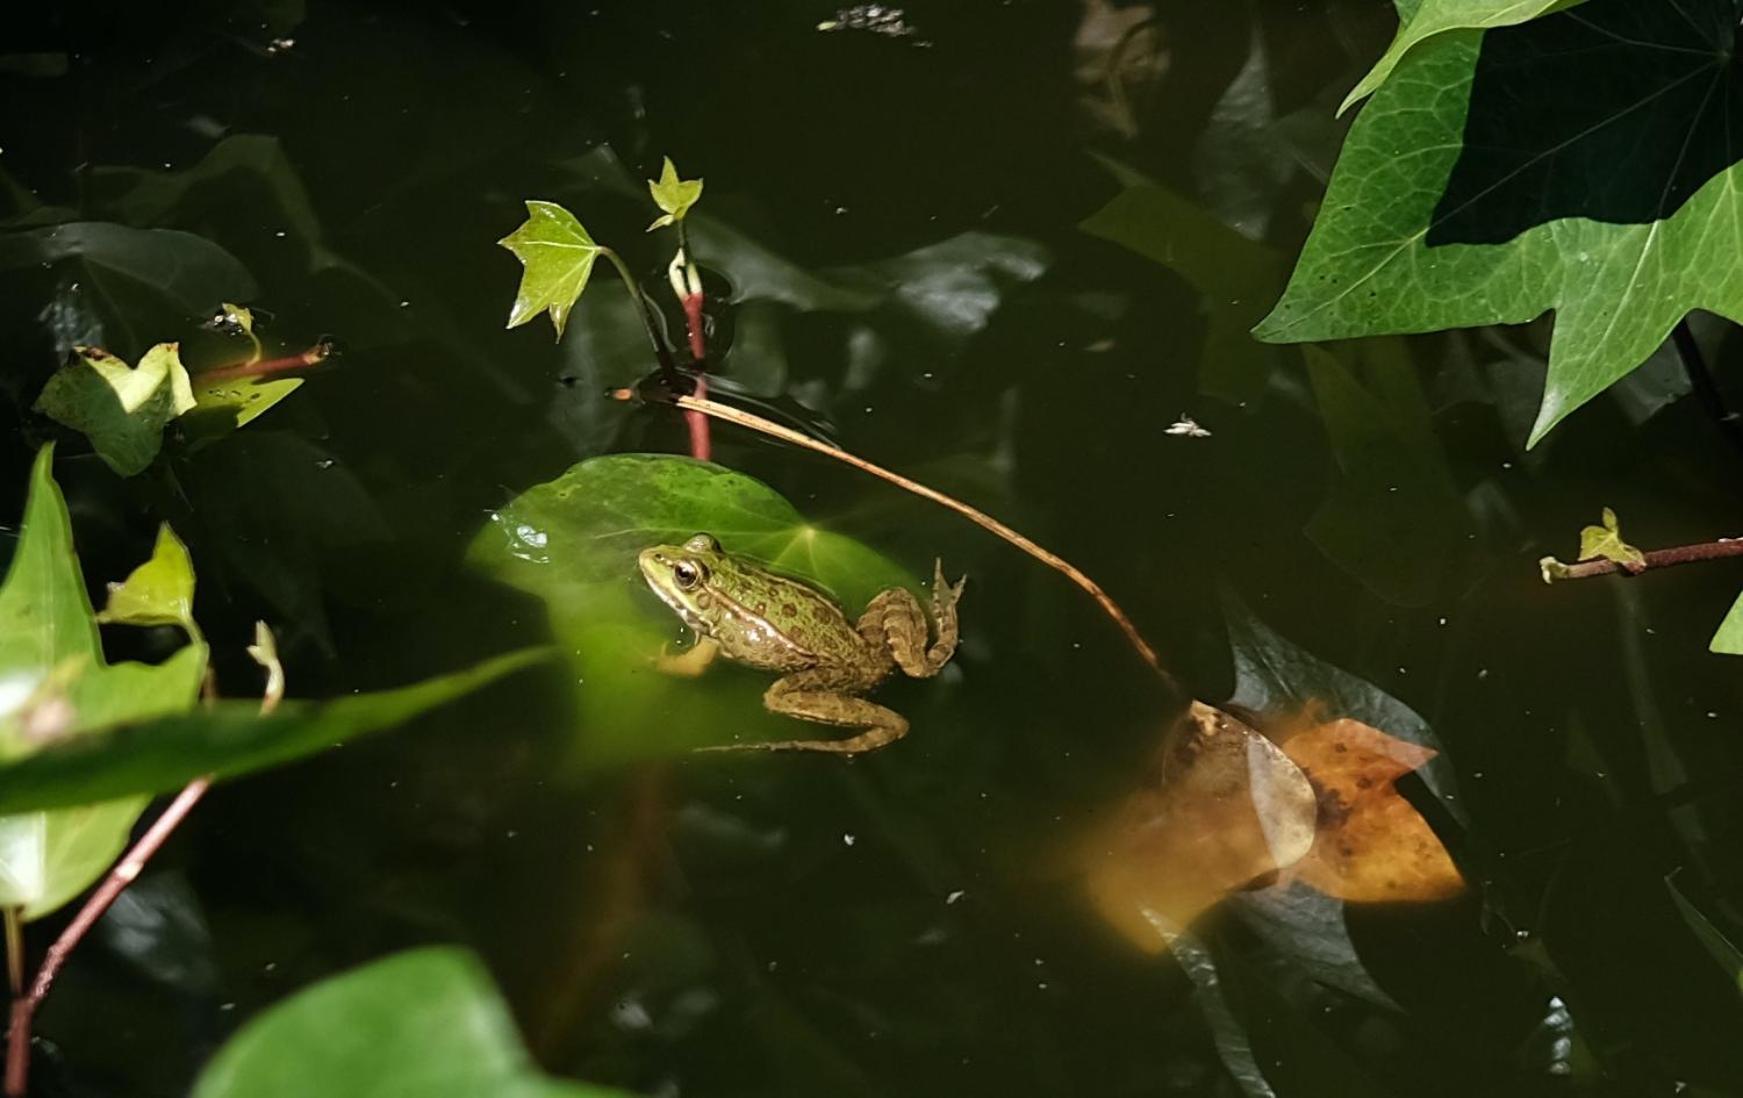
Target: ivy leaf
122 409
1580 162
1606 542
223 404
55 688
426 1022
572 544
1433 17
558 256
146 753
158 592
673 195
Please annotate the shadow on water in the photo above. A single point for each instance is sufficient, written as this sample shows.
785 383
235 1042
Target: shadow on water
1617 112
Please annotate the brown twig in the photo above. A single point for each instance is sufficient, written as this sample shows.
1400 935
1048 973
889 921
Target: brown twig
122 874
979 518
1554 570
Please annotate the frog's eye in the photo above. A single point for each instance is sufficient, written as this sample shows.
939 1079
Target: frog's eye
686 574
703 543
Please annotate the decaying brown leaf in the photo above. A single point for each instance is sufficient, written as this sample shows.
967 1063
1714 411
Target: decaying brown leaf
1372 845
1223 807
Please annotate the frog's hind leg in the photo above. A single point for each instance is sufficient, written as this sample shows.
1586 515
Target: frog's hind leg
814 696
894 618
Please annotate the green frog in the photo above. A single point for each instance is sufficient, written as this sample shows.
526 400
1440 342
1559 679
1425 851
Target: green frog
742 610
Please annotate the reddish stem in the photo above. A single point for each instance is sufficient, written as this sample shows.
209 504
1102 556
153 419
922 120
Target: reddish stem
314 356
1656 558
119 877
701 445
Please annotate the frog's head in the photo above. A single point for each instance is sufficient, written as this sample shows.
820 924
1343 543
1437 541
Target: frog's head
682 574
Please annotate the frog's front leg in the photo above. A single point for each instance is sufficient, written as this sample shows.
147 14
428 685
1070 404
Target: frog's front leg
893 619
692 661
815 695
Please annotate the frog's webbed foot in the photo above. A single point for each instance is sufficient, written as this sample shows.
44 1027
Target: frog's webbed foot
894 618
689 663
814 696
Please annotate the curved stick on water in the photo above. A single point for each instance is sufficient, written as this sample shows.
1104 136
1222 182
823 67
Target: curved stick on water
979 518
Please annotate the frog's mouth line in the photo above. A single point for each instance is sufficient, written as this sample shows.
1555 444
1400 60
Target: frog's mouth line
687 615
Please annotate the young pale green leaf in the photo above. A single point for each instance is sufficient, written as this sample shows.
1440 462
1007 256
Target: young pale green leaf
122 409
427 1022
1583 167
162 752
572 543
158 592
238 317
54 689
1432 17
673 195
1605 542
557 255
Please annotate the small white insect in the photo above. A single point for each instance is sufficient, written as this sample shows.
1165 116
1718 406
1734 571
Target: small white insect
1186 427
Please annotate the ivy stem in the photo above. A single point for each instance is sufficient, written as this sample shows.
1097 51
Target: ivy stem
15 950
122 874
979 518
1712 401
650 321
1554 570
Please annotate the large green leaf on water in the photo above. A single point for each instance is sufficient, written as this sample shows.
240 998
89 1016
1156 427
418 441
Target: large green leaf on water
189 270
54 689
1422 20
156 753
572 542
427 1023
1581 162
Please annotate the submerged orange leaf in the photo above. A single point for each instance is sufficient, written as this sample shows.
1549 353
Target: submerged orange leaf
1223 808
1372 845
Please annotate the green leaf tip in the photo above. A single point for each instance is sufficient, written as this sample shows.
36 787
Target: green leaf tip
1728 638
158 592
673 195
122 409
1436 17
557 255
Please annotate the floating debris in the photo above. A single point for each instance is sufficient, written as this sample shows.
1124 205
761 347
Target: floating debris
874 18
1186 427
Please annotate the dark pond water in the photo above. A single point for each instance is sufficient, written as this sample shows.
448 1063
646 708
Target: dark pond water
894 215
